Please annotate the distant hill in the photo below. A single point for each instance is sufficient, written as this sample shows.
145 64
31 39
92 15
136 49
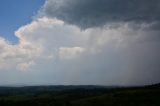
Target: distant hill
80 96
155 85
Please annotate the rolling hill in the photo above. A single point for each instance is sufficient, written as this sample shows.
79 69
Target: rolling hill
80 96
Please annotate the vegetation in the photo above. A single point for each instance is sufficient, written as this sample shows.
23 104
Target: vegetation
80 96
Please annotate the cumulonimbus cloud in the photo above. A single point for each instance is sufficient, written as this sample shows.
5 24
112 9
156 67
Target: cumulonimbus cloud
124 51
92 13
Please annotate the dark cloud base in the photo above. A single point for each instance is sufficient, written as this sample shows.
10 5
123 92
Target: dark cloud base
93 13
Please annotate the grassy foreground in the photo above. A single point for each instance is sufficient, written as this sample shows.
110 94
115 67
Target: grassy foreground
80 96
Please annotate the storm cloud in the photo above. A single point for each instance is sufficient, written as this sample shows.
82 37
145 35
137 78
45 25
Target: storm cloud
127 28
99 42
94 13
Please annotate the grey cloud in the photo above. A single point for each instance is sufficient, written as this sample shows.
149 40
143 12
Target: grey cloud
93 13
122 53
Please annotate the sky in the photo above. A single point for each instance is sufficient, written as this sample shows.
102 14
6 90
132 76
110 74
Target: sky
79 42
16 13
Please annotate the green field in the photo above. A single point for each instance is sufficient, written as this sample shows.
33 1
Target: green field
80 96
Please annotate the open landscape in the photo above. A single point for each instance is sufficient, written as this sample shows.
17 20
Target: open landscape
80 96
79 52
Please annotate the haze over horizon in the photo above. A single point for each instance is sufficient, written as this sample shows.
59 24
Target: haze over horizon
79 42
